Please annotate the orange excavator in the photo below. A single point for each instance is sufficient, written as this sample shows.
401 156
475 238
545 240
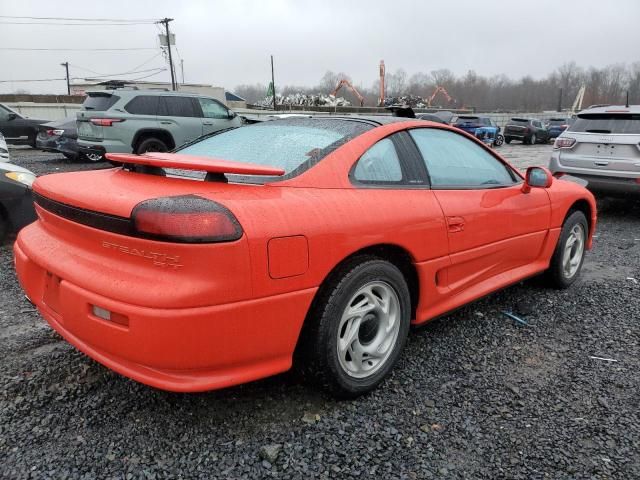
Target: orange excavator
442 90
344 82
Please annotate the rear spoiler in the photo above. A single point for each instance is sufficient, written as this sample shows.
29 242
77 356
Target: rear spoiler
192 162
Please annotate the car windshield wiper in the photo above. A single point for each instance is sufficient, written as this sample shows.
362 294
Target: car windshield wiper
595 130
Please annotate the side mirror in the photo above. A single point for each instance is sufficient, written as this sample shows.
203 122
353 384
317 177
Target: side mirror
537 177
231 114
12 116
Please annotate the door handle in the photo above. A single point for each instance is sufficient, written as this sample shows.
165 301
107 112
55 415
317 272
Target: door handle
601 163
165 123
455 224
207 123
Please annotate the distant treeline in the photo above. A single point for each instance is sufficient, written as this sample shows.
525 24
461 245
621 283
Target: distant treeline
499 92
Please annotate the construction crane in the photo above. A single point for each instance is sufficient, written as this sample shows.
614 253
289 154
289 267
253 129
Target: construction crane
577 103
439 89
381 97
346 83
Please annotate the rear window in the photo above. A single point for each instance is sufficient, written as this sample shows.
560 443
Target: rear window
99 102
143 105
468 120
607 123
291 144
558 121
519 121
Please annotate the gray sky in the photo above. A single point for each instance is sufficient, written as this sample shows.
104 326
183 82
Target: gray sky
228 42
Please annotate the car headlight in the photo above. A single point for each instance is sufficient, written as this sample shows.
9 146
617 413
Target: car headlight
21 177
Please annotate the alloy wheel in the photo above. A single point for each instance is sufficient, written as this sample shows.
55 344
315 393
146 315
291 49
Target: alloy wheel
368 329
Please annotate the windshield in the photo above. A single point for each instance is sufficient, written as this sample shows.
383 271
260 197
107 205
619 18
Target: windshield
292 144
607 123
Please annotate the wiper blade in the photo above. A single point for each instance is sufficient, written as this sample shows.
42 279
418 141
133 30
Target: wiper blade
598 131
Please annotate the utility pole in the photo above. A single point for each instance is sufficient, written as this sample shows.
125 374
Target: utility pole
273 85
66 66
560 100
182 69
166 21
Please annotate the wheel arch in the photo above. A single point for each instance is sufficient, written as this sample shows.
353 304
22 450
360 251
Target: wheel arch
159 133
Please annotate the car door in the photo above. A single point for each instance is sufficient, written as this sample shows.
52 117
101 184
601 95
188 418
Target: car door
180 116
493 227
215 116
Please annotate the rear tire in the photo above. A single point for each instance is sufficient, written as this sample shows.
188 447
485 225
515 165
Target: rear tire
94 157
4 228
532 139
356 328
151 144
507 140
568 256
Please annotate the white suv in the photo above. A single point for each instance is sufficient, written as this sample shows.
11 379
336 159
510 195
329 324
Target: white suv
602 146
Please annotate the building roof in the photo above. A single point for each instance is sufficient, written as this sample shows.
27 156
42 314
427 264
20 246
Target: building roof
232 97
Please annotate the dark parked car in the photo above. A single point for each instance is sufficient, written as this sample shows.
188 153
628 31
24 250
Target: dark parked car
432 117
18 129
59 136
527 130
557 125
16 201
469 123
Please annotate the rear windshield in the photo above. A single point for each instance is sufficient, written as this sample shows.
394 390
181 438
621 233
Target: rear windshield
293 144
99 102
468 120
558 121
607 123
519 121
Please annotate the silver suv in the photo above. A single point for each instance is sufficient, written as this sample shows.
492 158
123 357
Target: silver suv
127 120
601 146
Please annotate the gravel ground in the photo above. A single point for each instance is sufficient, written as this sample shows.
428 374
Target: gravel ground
474 395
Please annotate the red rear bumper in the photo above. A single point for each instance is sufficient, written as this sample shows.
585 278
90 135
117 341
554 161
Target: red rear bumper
182 349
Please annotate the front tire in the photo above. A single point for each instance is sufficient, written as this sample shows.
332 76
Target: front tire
568 256
532 139
357 327
499 140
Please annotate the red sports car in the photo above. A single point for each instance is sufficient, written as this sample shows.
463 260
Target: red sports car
315 239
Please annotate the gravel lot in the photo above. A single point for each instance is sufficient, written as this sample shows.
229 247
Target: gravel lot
474 395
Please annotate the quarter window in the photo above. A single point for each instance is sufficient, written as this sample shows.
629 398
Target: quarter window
379 164
454 161
212 109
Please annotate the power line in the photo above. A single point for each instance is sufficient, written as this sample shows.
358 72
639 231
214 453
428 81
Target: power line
77 24
36 80
85 19
156 70
19 49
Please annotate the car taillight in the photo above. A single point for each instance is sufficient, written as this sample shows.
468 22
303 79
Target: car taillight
185 219
50 133
57 132
105 122
564 142
526 130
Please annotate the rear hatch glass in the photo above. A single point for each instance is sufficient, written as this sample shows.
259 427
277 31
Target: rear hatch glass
293 144
519 121
626 123
99 101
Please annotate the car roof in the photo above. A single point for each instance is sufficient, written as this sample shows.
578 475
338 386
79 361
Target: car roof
612 109
134 92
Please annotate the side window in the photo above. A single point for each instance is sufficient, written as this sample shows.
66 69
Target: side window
176 107
143 105
4 113
454 161
379 164
213 109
